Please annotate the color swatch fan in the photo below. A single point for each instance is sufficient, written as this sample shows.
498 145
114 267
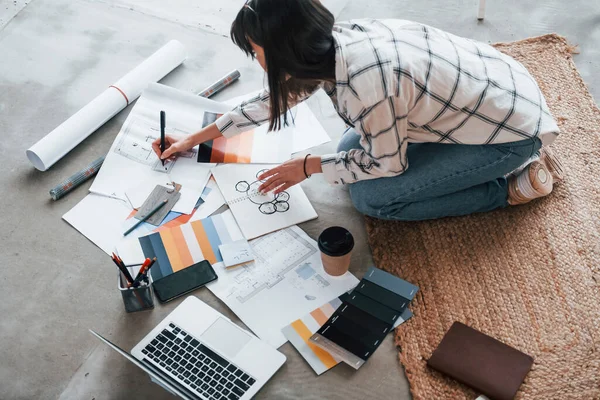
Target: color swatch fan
365 317
258 214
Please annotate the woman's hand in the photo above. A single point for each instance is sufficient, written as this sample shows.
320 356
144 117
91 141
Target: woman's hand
173 144
289 174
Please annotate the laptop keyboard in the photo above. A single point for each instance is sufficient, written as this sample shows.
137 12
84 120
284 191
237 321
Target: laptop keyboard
200 368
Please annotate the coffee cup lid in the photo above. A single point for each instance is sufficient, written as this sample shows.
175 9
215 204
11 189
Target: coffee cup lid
336 241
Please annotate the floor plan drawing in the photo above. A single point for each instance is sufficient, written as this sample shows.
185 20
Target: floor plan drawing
276 255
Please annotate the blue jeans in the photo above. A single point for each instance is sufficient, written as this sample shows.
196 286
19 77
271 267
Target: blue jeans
442 180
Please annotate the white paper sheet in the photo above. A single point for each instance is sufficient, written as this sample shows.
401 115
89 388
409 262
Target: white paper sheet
257 214
130 251
100 219
285 282
304 129
308 132
131 158
70 133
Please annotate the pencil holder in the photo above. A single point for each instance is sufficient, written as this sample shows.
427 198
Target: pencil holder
136 299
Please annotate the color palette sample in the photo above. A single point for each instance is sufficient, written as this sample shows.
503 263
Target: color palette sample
364 318
253 146
237 149
181 246
300 331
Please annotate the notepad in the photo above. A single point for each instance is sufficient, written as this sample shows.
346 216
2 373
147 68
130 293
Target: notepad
255 213
236 253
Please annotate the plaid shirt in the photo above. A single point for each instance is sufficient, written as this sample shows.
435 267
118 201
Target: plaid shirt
399 82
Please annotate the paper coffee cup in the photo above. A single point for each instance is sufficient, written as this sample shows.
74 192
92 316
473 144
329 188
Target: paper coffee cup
336 244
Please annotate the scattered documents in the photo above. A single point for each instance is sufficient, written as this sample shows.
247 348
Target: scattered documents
285 282
131 158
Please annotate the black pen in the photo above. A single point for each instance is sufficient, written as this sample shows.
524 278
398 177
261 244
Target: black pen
163 117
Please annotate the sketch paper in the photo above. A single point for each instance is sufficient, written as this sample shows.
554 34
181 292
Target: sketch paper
259 214
70 133
131 158
100 219
285 282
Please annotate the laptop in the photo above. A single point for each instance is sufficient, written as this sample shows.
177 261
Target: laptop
198 353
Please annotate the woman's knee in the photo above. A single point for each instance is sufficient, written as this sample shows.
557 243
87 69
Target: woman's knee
366 202
363 199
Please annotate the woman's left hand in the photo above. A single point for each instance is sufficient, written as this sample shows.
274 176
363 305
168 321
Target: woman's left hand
288 174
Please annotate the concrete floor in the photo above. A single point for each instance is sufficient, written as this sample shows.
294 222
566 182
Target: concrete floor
59 54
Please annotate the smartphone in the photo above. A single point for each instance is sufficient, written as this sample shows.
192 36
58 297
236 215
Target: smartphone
184 281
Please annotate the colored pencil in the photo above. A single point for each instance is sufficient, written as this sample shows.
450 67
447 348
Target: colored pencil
151 213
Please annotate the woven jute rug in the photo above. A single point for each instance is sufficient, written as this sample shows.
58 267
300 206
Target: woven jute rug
526 275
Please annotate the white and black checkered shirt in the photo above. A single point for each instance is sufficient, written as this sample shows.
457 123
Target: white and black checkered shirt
399 81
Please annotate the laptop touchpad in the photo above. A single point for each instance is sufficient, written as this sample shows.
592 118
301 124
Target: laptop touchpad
227 338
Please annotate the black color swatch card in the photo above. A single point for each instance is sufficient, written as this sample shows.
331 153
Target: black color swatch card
376 309
366 315
346 341
357 331
362 318
381 295
391 283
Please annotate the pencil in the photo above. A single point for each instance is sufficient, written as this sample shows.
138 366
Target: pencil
122 268
163 117
151 213
141 272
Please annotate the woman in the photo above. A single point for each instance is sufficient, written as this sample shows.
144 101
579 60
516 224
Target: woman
460 112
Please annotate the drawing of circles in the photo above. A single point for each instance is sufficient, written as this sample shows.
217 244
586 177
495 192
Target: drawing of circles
267 208
259 173
282 196
282 206
242 186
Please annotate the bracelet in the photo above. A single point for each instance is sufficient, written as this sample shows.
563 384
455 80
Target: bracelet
305 158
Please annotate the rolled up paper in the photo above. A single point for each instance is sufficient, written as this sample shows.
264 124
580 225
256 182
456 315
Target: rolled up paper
220 84
96 113
77 179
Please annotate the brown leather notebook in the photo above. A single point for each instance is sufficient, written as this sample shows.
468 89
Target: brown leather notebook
481 362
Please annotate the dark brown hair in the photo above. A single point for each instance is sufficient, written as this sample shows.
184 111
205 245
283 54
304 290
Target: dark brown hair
297 38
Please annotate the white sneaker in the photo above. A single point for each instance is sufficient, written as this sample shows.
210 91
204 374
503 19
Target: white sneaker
536 179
